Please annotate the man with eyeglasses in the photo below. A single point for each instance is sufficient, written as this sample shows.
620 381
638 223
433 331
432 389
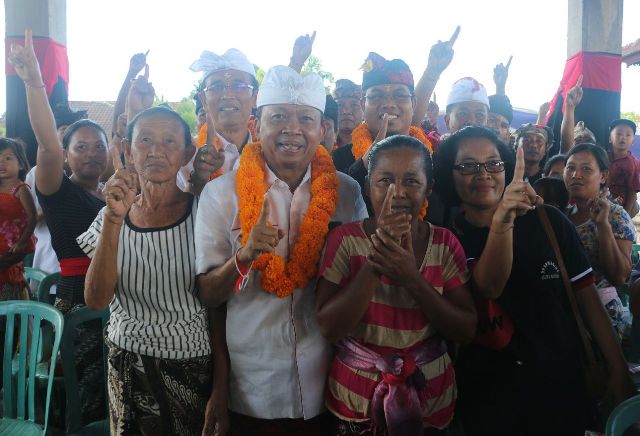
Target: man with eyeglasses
228 91
388 104
388 88
536 141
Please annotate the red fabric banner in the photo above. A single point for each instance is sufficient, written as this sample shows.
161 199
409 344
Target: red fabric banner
52 57
599 71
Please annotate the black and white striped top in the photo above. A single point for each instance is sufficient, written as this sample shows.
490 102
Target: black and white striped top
155 311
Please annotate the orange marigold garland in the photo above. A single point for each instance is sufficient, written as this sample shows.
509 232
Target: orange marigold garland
280 277
361 142
361 139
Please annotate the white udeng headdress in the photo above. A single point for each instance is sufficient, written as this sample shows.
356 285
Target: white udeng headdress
468 89
283 85
232 59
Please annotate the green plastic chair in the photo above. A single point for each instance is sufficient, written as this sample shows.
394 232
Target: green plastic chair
45 282
626 414
34 274
28 260
44 289
67 351
19 406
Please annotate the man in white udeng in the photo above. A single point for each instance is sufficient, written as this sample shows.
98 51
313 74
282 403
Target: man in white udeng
260 231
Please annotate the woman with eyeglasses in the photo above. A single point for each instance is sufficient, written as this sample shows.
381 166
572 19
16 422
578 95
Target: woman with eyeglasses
523 372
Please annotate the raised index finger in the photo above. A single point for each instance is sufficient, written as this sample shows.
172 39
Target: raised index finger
453 38
115 154
509 62
313 37
386 204
518 172
382 133
579 82
264 212
28 39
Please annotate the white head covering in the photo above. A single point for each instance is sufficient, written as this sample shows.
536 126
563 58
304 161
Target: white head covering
282 85
232 59
468 89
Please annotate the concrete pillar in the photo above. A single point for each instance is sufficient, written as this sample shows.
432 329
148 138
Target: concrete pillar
595 37
594 26
48 20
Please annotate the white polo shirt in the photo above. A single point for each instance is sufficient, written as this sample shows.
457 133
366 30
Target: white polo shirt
279 359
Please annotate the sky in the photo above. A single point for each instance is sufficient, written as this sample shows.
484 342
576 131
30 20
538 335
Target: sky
102 36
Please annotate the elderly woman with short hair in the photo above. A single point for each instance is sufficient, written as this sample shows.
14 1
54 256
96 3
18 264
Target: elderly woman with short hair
143 251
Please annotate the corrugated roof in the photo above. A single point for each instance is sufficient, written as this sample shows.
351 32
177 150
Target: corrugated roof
631 53
99 111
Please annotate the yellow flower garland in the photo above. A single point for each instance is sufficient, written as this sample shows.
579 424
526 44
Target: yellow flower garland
280 277
361 142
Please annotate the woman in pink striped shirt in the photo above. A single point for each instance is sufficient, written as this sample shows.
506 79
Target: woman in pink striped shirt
392 290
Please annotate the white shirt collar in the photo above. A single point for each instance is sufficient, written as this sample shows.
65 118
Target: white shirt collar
273 180
230 146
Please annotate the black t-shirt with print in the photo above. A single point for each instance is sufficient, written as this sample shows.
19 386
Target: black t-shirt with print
546 335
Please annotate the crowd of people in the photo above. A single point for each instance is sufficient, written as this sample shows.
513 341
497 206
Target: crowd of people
328 264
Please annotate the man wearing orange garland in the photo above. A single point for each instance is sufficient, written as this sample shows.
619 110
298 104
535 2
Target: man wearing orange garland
388 87
228 91
260 231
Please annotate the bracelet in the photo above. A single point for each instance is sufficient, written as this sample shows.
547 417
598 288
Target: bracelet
243 270
503 231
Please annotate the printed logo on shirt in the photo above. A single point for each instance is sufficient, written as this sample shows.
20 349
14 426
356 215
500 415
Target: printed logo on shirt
549 271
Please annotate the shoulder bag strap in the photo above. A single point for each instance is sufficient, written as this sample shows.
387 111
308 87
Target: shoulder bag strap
586 342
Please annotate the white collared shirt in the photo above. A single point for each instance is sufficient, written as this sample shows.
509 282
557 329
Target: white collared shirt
279 359
231 162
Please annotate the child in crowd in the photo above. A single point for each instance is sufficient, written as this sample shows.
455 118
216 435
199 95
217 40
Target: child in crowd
554 167
17 219
624 171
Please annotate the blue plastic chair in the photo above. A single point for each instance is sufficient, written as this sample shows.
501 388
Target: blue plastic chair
19 406
626 414
67 351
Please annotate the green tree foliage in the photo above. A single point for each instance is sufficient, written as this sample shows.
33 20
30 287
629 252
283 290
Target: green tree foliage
633 116
187 110
314 65
259 73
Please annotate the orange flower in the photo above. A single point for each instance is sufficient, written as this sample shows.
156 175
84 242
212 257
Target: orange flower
361 139
280 277
361 142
